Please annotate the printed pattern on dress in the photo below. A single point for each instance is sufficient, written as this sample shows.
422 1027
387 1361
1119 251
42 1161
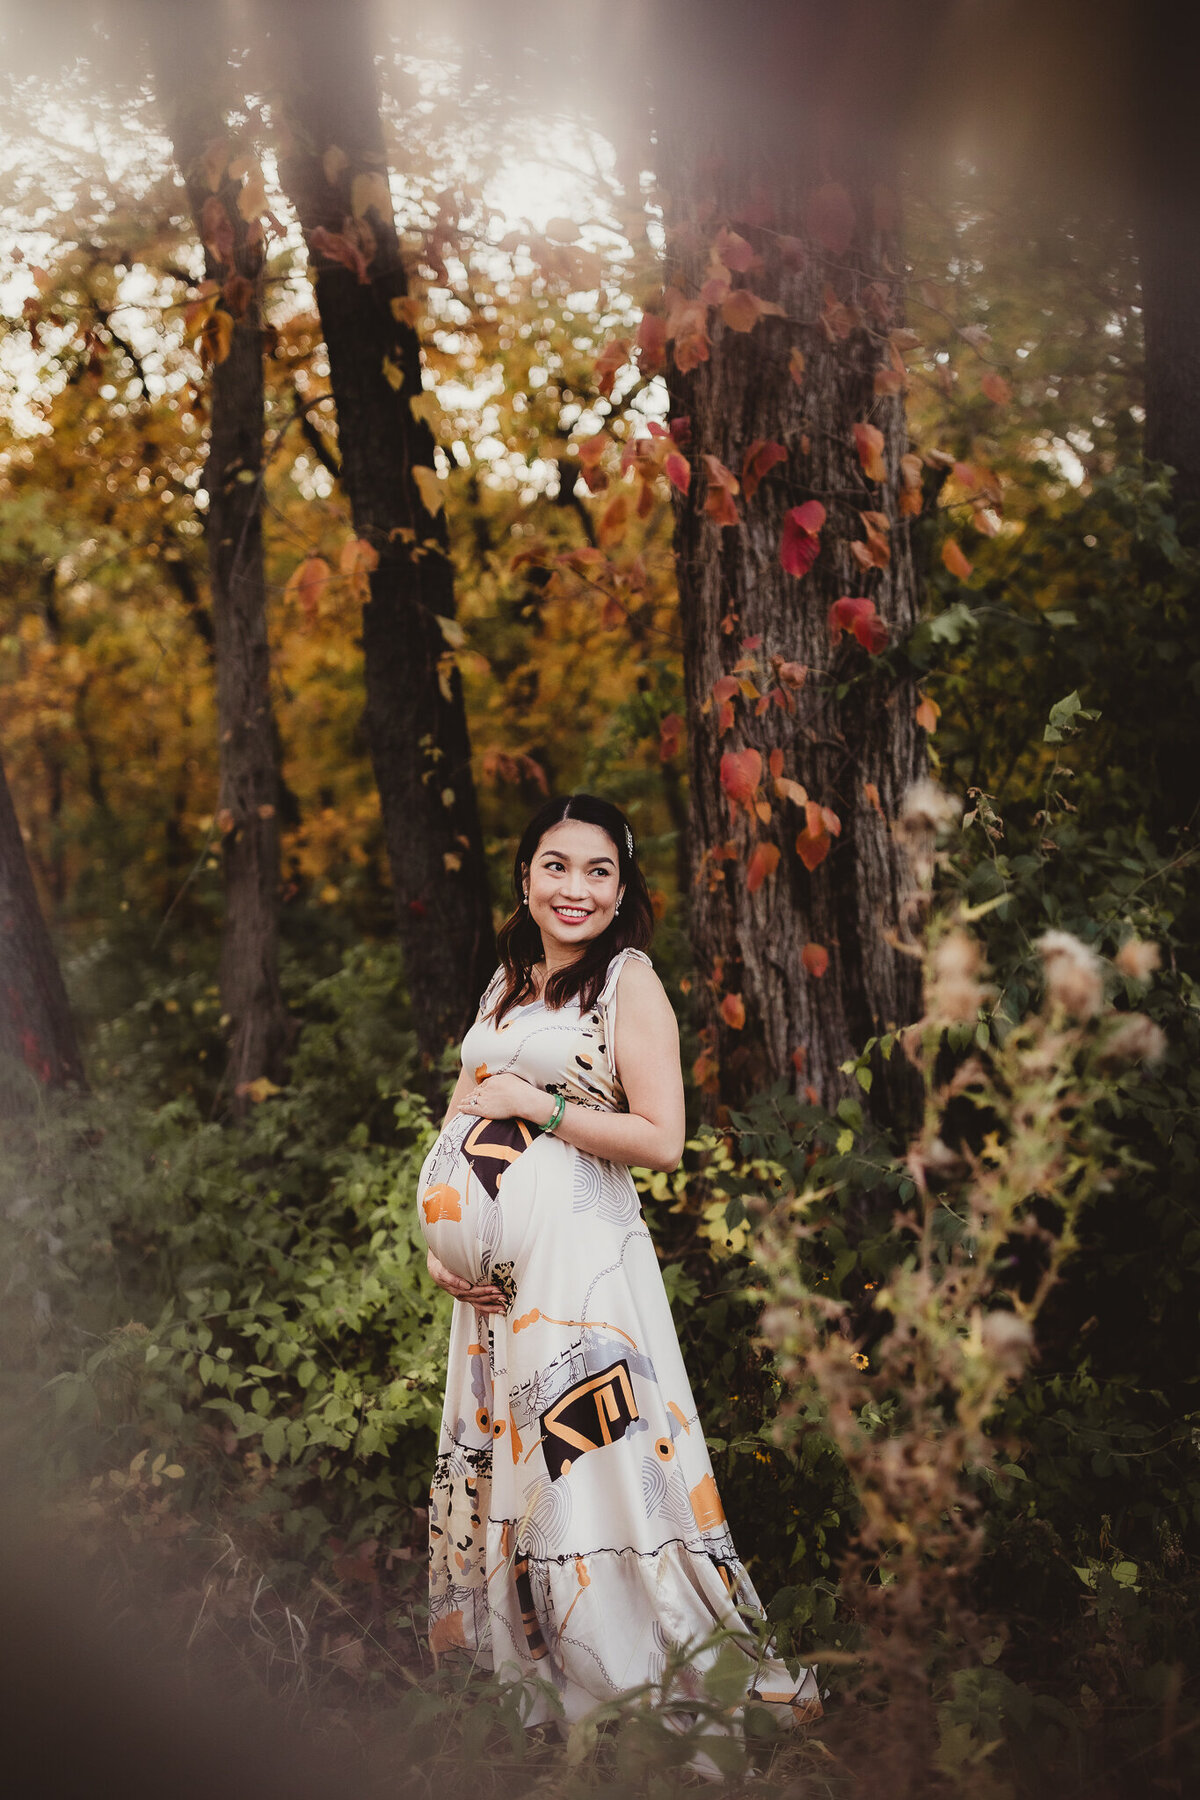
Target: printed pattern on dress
576 1531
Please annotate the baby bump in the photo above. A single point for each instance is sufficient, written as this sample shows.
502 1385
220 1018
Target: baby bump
461 1194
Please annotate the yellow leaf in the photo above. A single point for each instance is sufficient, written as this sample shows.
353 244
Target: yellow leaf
429 487
406 309
452 631
252 196
451 860
425 406
368 190
258 1090
393 373
335 162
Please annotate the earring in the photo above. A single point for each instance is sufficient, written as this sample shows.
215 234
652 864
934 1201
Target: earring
617 907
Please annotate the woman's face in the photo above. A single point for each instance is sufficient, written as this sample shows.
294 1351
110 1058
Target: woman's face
572 885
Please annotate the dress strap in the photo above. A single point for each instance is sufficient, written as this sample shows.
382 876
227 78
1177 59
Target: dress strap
607 1002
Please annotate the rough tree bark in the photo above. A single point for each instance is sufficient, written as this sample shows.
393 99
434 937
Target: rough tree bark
37 1035
740 146
189 76
334 169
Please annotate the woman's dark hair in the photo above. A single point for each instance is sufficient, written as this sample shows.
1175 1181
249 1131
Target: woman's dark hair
520 941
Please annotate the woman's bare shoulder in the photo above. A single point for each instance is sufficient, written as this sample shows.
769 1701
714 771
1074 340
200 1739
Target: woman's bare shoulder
640 982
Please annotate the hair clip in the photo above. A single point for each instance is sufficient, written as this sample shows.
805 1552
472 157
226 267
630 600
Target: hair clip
629 842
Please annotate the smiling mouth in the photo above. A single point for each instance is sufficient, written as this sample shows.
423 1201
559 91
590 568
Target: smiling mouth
571 915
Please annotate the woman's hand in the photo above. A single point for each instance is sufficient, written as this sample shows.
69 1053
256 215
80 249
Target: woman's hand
508 1097
483 1297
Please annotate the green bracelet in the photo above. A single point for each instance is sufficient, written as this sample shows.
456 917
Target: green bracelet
556 1117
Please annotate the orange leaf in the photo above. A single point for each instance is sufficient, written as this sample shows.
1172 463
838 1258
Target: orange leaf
609 363
725 687
763 863
613 520
307 584
815 958
868 441
829 217
996 388
910 484
733 1011
722 486
787 789
796 365
741 772
954 560
670 733
742 310
928 713
733 251
216 337
775 763
812 847
871 796
724 717
759 460
591 449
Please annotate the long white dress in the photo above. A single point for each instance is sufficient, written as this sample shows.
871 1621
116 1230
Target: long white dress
575 1528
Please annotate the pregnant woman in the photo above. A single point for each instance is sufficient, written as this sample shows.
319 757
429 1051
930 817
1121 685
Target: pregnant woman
576 1533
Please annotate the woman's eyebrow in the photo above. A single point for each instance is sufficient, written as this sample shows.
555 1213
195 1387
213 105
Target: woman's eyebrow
563 857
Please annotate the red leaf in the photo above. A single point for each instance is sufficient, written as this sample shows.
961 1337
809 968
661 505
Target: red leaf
829 217
725 687
612 520
996 388
651 342
763 863
741 772
859 617
815 958
216 230
338 249
759 460
678 471
733 251
670 733
591 449
868 441
801 539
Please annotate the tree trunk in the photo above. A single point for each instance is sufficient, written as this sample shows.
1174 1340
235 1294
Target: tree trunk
37 1036
1168 239
249 784
334 169
736 151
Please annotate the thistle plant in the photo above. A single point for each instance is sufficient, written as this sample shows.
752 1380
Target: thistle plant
1012 1146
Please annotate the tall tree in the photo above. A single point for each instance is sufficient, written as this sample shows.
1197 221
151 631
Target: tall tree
793 535
334 168
37 1034
224 191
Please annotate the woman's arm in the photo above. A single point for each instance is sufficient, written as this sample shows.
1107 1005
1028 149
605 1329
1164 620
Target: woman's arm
646 1054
